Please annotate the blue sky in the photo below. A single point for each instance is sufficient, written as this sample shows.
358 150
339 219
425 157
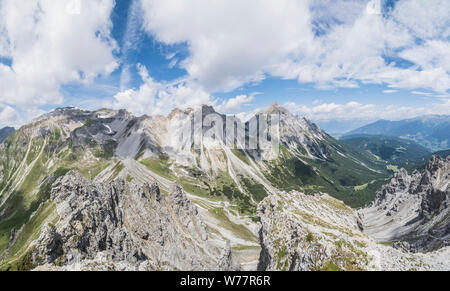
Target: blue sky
340 63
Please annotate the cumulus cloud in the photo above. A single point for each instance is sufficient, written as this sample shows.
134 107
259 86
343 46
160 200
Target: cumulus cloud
426 19
330 43
233 105
154 97
8 116
231 42
15 117
368 112
50 43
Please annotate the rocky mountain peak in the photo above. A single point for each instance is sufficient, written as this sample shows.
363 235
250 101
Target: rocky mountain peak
276 108
206 110
68 112
176 112
436 162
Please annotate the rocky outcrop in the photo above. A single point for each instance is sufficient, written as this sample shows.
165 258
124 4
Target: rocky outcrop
413 208
303 232
121 226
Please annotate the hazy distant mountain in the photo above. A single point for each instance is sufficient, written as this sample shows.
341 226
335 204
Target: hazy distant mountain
5 132
338 128
431 131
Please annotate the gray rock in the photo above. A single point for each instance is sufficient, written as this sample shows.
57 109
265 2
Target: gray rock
413 208
123 226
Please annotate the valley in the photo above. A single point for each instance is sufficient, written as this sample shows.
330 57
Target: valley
106 190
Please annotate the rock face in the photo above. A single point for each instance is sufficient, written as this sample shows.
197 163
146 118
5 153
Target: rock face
121 226
303 232
413 208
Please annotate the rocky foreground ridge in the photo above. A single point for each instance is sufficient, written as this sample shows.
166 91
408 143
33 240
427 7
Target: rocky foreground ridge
317 232
122 226
406 228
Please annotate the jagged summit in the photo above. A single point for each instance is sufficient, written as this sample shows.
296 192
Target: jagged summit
276 108
76 112
176 112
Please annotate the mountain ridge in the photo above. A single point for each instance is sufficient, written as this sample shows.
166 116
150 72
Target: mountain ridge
226 183
431 131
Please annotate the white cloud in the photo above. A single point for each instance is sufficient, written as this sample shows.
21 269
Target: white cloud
50 45
390 91
8 116
426 19
422 93
130 41
235 104
15 117
368 112
233 42
154 97
230 43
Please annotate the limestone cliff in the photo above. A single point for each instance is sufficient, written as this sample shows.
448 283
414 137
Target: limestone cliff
121 226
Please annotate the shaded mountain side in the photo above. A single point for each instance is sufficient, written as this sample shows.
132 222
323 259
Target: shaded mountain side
432 131
420 167
55 220
407 227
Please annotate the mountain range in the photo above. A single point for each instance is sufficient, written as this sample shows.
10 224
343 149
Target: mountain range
431 131
78 189
396 152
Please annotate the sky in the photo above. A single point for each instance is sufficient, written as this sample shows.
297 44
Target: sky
340 63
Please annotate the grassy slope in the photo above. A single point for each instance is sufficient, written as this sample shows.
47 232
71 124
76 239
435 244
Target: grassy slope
395 151
339 176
